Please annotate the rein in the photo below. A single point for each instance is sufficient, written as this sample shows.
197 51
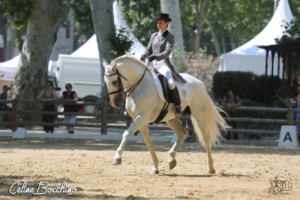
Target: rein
120 90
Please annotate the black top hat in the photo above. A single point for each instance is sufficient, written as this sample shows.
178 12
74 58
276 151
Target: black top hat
164 16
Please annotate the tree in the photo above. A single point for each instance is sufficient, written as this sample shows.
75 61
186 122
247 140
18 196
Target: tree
83 20
103 21
196 11
291 32
295 8
244 21
140 16
13 16
32 70
3 22
172 7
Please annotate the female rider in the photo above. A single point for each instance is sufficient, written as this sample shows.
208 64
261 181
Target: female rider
158 52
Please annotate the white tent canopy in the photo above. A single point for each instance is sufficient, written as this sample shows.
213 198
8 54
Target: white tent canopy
10 65
90 48
249 57
9 68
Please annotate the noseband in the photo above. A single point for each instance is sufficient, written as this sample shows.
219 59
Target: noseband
120 90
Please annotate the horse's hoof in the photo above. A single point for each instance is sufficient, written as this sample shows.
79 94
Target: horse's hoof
154 172
213 171
172 164
117 161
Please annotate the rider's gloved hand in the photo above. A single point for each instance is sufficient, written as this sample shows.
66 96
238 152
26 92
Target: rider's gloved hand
143 57
151 58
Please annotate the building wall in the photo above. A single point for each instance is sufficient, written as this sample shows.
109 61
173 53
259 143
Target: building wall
64 42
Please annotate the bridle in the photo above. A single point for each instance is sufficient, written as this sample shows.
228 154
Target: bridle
120 90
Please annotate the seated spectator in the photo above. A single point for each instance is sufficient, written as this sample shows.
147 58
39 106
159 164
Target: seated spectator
284 91
3 106
231 102
4 96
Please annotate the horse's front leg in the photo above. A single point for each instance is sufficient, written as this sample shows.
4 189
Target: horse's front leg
146 134
181 133
136 125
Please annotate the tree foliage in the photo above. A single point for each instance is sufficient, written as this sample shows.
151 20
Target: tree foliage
291 32
19 10
120 43
82 14
140 16
234 21
240 20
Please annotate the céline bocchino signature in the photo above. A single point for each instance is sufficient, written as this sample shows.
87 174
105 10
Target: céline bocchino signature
42 188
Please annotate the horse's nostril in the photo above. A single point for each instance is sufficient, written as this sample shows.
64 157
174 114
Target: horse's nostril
117 104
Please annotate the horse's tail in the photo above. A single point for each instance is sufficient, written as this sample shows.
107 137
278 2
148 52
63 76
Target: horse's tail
214 120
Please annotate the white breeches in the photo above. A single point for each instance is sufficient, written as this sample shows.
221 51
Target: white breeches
163 69
70 120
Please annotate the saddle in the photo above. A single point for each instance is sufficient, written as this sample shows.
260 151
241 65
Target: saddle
165 88
165 93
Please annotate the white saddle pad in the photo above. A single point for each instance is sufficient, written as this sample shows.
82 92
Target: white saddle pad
183 89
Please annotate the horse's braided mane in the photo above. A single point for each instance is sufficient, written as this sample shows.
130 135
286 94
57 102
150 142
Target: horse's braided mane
131 58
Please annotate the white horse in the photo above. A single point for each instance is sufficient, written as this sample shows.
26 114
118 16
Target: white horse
143 104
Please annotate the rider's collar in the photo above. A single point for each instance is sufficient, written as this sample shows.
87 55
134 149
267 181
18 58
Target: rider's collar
164 33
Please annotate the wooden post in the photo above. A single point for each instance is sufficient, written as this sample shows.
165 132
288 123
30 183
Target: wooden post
14 115
278 64
283 64
289 68
273 55
103 118
266 78
290 116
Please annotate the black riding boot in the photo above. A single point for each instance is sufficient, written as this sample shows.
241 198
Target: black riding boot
177 102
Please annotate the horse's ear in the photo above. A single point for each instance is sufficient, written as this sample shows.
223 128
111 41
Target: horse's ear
104 63
111 67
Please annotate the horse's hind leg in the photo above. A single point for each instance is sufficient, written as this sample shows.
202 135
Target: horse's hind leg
201 124
181 133
146 134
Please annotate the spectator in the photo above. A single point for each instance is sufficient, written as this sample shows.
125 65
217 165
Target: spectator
3 106
48 95
69 96
3 96
231 102
284 91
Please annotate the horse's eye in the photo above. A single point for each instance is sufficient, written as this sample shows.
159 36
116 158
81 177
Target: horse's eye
114 82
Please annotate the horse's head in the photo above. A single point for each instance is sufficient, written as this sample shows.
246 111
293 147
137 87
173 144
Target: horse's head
114 84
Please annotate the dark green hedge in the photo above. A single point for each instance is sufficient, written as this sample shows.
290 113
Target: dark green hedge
247 85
